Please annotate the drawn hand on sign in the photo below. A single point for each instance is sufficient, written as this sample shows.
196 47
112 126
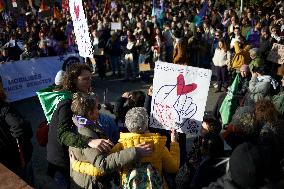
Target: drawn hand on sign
173 104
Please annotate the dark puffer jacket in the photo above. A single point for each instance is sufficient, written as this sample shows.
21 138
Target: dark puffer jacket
14 127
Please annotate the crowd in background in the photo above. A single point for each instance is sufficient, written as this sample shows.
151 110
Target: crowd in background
145 36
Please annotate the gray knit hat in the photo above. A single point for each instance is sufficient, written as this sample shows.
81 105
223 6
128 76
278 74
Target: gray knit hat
254 52
136 120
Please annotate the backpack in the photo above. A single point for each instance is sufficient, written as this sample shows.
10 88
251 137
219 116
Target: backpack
143 176
42 134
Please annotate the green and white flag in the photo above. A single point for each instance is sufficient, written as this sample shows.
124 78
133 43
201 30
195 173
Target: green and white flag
49 99
230 104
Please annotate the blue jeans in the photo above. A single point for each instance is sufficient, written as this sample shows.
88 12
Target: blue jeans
169 54
130 69
115 63
141 59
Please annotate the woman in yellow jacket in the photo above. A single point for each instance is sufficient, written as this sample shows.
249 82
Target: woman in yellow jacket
241 56
136 121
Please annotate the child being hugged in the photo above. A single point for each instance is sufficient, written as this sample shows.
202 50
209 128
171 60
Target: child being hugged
136 121
85 118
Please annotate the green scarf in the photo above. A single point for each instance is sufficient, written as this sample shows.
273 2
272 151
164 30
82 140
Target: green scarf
49 99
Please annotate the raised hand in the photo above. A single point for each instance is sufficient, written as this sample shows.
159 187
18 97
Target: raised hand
144 149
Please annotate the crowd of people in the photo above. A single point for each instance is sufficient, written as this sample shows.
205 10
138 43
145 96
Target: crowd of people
88 149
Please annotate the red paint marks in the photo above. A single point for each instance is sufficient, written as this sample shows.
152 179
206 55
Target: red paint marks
76 10
182 88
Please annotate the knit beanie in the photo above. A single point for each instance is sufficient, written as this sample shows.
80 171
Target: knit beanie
254 52
59 77
136 120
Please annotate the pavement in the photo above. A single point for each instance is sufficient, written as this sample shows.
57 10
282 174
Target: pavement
30 108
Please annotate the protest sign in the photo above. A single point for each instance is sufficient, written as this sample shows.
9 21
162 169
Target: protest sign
81 28
113 5
22 79
276 54
14 3
179 97
143 67
116 26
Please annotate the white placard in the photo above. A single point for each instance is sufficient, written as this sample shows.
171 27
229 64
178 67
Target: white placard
22 79
113 5
276 54
116 26
179 97
14 4
81 28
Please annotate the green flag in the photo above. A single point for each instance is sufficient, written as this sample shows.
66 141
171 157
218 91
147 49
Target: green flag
230 104
49 99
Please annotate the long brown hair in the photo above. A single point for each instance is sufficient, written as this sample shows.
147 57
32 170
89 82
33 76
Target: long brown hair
265 111
71 75
225 46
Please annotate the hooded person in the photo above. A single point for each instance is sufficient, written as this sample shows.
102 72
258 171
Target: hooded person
256 61
260 85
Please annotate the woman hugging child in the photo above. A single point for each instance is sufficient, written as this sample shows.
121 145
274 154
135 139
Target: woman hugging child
149 167
86 113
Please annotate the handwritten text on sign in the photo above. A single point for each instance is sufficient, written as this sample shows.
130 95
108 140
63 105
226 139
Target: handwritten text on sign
81 28
276 54
179 97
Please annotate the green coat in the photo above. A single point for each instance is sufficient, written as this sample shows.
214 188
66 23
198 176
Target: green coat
278 101
257 62
107 163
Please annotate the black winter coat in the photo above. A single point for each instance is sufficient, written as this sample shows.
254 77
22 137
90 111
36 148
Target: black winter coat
57 153
14 127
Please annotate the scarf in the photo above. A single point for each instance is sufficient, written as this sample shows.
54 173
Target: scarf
81 122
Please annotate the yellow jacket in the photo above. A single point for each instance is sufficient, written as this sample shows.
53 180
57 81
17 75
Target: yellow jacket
241 56
162 159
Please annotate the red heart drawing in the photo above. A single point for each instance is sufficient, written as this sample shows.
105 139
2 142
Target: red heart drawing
182 88
76 10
